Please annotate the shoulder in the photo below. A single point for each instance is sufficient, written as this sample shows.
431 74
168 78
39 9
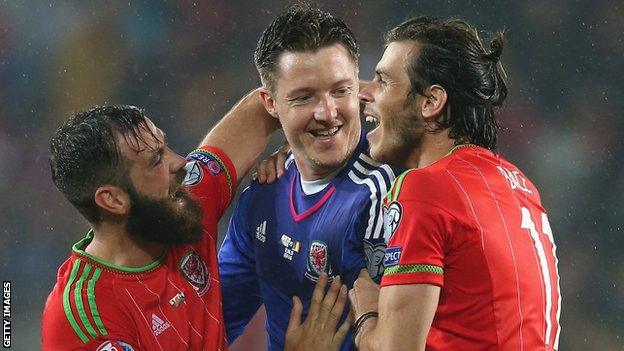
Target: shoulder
209 163
82 306
375 177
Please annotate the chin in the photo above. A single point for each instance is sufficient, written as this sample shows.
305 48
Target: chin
382 155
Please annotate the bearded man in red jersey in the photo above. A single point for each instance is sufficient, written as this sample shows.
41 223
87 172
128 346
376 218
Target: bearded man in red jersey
145 276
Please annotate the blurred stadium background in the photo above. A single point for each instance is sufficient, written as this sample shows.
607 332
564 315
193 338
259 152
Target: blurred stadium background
187 63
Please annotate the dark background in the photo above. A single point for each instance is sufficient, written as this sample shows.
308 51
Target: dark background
187 63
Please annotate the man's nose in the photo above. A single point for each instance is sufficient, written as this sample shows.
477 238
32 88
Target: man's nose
326 109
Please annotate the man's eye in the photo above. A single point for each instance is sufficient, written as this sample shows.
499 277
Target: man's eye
302 98
343 91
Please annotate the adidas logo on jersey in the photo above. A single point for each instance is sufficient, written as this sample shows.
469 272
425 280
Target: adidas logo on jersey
158 325
260 232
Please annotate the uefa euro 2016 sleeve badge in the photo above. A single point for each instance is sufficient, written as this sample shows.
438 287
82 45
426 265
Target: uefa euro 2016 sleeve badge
194 270
392 218
318 261
193 173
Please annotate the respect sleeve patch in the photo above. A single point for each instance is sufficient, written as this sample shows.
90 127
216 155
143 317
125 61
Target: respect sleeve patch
392 256
209 160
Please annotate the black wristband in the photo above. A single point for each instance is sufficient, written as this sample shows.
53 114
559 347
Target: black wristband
360 321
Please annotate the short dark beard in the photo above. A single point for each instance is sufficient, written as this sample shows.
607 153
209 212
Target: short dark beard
164 220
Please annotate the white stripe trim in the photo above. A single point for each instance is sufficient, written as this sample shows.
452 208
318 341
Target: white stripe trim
289 160
384 186
374 197
373 191
385 167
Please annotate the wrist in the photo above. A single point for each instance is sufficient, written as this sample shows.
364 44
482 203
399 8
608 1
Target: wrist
365 321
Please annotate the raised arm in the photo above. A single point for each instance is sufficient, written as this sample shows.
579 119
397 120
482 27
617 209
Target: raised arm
243 132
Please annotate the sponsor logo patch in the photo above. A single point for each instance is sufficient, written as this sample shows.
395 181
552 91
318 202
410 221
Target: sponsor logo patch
392 218
207 159
291 246
111 345
374 257
392 256
158 325
318 261
194 270
177 300
193 173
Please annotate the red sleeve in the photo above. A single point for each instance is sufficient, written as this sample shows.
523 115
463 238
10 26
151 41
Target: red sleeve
424 232
211 177
416 251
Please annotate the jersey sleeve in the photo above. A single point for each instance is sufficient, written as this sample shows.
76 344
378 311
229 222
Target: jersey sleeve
211 177
239 281
416 251
424 233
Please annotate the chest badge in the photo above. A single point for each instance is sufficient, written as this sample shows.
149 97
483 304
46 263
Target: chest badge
290 246
194 270
318 261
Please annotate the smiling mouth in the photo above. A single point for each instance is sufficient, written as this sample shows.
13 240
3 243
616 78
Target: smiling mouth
324 133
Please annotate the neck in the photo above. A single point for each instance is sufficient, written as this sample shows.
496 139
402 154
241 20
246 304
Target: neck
113 244
434 146
310 172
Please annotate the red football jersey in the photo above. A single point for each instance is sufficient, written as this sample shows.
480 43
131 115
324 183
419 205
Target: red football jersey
474 225
173 303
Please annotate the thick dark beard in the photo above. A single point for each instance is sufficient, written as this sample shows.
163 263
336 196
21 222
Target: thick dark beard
164 220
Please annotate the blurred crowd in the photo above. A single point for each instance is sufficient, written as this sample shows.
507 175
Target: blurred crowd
186 63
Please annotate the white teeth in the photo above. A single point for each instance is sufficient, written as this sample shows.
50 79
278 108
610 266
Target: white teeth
326 132
372 119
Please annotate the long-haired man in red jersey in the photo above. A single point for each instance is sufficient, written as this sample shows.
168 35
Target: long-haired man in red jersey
471 261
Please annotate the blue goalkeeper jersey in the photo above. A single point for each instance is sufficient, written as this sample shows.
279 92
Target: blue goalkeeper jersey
279 241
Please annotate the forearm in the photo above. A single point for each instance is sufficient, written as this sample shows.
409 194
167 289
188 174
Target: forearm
374 337
366 339
243 132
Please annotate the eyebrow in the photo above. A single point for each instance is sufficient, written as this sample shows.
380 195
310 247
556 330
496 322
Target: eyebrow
156 153
294 93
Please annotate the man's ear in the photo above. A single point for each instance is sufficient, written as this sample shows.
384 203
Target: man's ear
268 102
434 102
112 199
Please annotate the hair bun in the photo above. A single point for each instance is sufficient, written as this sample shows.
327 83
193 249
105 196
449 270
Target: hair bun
496 47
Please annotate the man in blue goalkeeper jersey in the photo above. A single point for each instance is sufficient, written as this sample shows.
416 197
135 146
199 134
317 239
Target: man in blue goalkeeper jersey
324 214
